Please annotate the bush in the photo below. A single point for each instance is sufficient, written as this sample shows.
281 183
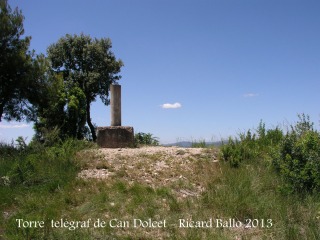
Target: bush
295 156
7 150
199 144
38 165
236 151
145 139
250 146
298 159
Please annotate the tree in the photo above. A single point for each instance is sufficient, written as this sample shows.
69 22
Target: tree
87 67
60 112
17 66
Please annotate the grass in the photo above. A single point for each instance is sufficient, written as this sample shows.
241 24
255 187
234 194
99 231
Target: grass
198 143
44 186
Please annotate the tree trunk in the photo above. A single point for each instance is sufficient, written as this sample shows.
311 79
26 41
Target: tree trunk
92 129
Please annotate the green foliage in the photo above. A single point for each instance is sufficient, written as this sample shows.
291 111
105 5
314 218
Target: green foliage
237 193
30 178
84 68
76 113
21 143
303 125
199 144
298 159
7 149
69 105
253 192
42 166
145 139
251 146
295 155
52 105
18 68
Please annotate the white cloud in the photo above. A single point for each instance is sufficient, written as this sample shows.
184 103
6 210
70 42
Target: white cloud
10 126
171 105
251 95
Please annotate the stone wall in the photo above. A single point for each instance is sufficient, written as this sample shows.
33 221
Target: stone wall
115 137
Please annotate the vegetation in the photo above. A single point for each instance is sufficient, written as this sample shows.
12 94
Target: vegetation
65 83
199 144
295 154
30 174
269 177
298 158
252 145
83 68
40 183
145 139
19 68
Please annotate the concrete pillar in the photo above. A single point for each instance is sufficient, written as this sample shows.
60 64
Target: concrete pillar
115 105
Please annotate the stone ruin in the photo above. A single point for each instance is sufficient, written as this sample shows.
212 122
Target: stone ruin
115 136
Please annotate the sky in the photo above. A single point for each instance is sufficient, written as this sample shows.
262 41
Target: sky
194 69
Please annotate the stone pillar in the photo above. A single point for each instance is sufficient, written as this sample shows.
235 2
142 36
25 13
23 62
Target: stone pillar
115 105
115 136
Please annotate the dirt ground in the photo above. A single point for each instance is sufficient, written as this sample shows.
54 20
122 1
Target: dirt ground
156 166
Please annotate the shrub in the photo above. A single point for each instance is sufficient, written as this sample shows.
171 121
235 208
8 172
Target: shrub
7 150
250 146
40 165
298 159
199 144
235 152
145 139
295 156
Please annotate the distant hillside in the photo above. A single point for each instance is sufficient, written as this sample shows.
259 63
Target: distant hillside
188 144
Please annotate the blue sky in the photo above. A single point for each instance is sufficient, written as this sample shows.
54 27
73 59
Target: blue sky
223 64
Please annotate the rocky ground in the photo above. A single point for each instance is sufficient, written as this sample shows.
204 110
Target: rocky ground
155 166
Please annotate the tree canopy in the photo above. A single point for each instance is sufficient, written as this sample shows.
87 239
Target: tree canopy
17 66
56 91
82 68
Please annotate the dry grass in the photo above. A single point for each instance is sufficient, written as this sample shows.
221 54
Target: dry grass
182 169
165 183
147 182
